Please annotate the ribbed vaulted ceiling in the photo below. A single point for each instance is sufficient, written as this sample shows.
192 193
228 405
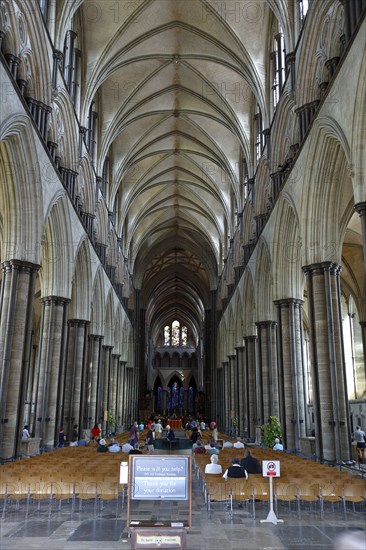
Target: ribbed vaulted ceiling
176 83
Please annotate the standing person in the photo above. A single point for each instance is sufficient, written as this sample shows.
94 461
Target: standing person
150 441
235 470
75 435
134 435
61 437
95 432
360 444
213 428
25 432
158 429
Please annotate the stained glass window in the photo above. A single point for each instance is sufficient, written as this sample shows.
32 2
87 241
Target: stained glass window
167 336
190 399
159 400
181 398
184 336
168 398
175 333
175 396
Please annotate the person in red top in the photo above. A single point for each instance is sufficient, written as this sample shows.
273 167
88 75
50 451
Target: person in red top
95 432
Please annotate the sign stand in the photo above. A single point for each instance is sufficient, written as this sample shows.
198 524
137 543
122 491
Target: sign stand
271 469
161 478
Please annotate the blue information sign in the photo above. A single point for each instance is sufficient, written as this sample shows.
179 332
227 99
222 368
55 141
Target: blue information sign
164 478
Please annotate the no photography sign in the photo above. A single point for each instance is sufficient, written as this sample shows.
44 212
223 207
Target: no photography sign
271 468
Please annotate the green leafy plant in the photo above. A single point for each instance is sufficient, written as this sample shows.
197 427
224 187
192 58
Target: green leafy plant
111 421
271 431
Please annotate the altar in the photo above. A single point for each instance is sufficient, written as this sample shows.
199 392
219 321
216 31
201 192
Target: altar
175 424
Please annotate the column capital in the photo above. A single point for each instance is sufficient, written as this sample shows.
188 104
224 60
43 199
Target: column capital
261 324
20 265
58 300
286 302
107 347
250 338
96 337
321 268
360 208
231 356
80 322
239 349
116 355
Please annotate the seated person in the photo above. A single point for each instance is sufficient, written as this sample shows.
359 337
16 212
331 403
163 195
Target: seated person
277 446
113 447
214 467
127 447
250 463
198 448
211 449
102 447
235 470
195 435
135 452
227 444
239 443
169 433
82 443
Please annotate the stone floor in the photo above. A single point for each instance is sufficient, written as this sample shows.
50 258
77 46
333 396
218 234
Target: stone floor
102 526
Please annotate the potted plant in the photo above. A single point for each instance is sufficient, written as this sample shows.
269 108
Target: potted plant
271 431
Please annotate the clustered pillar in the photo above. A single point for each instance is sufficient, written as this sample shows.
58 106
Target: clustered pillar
332 430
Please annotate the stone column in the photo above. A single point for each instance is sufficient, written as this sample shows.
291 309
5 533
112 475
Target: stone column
251 389
50 368
75 377
233 410
120 414
240 390
16 316
95 343
291 387
361 209
219 419
332 425
227 401
115 376
106 386
267 370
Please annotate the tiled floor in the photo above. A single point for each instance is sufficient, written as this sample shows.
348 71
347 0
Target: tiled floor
89 528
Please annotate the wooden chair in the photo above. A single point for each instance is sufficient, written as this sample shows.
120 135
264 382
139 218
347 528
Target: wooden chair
87 491
309 492
285 491
354 493
241 491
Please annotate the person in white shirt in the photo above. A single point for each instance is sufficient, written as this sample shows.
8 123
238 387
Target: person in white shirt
214 467
278 446
158 429
126 447
239 443
114 447
25 432
227 444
